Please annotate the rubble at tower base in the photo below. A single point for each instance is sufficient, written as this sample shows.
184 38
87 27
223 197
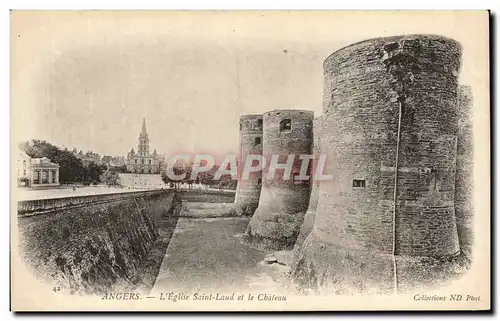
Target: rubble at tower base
326 268
274 231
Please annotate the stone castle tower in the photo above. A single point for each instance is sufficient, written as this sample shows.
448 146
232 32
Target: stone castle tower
248 191
142 161
308 222
283 202
464 207
390 138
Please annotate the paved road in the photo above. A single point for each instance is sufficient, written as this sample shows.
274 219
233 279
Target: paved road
35 194
207 255
22 194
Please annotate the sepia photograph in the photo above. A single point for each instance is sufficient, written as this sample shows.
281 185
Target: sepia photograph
250 160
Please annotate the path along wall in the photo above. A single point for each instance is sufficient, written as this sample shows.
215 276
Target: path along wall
390 135
206 196
91 244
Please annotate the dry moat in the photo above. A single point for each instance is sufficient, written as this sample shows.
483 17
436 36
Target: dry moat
149 242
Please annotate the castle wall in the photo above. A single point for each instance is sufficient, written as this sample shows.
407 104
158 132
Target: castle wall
283 203
464 209
308 221
248 191
389 135
92 244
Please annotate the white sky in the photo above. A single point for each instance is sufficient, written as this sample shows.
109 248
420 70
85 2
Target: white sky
86 80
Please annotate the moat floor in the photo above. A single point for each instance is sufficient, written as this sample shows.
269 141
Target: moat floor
207 255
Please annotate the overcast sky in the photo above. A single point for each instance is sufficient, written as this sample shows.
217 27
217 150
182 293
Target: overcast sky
86 80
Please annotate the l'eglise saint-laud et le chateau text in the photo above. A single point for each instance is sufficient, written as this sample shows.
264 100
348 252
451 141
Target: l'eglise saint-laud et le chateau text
180 296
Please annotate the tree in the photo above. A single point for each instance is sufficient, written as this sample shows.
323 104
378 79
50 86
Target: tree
121 169
226 181
93 172
178 169
187 178
111 178
165 178
206 178
71 168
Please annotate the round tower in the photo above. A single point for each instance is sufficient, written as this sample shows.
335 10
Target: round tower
390 139
283 201
308 221
248 190
464 209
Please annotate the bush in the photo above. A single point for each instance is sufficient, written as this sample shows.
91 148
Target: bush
111 178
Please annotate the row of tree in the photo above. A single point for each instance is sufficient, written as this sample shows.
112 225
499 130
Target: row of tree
205 178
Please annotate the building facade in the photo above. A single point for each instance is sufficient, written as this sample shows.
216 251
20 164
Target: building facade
88 157
113 161
142 161
36 172
23 169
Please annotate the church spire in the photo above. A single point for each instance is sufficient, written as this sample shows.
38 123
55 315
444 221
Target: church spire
144 132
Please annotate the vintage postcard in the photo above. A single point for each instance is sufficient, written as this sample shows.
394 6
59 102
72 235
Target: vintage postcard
250 161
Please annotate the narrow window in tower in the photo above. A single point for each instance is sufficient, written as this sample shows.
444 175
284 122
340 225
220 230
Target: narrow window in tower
241 126
285 125
358 183
259 123
258 140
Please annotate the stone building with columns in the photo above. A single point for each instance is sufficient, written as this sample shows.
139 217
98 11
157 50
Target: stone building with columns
36 172
44 172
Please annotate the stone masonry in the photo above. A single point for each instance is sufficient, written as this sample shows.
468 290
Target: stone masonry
390 138
248 191
283 202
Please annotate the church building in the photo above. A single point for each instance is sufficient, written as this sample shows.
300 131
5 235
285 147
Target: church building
143 161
